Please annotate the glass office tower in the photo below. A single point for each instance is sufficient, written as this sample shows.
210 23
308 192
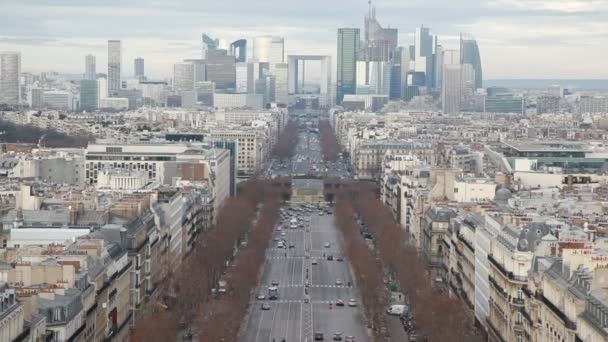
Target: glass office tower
348 45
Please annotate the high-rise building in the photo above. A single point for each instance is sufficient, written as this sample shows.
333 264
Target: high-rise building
269 49
114 62
183 76
348 46
89 93
425 50
238 49
208 44
244 78
138 67
469 54
221 69
102 88
373 78
10 68
281 83
451 89
90 68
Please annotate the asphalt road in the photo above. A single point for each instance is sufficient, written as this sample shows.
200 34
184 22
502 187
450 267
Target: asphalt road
290 317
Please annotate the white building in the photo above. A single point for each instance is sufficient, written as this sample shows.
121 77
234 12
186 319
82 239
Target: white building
281 83
474 190
121 179
227 101
269 49
244 78
118 103
114 66
57 100
183 76
10 69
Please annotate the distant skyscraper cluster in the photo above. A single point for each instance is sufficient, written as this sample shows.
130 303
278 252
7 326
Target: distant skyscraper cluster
374 68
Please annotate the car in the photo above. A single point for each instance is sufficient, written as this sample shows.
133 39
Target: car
276 239
283 234
315 262
339 258
275 283
261 296
291 245
352 303
265 306
338 281
319 336
327 245
339 302
349 339
330 257
307 299
337 336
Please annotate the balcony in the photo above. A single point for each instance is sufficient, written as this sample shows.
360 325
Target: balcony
507 274
518 326
519 302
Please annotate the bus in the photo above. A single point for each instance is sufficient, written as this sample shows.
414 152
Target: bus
273 293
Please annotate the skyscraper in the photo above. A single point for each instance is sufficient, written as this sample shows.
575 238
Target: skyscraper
221 69
208 44
90 68
469 54
183 76
281 83
348 45
138 67
114 61
269 49
451 90
426 48
375 56
244 78
238 49
10 68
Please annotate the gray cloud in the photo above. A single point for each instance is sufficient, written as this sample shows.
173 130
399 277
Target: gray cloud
71 28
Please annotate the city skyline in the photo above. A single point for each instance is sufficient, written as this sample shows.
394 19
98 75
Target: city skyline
521 27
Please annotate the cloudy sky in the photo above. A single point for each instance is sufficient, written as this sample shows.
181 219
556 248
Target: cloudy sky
562 39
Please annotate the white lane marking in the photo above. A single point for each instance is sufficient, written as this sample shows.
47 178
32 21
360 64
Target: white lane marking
272 323
301 323
257 334
287 322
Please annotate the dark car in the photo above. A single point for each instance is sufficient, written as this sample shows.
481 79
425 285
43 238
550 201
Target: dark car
319 336
330 257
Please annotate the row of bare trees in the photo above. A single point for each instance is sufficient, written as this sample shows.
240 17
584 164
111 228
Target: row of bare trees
367 269
226 314
286 144
329 143
187 290
437 315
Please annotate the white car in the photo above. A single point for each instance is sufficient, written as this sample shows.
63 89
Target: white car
352 303
338 281
327 245
261 296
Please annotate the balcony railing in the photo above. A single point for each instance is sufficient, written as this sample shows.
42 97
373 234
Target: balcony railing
517 301
504 272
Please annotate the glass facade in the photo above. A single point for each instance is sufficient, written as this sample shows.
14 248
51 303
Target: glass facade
469 54
348 45
88 95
